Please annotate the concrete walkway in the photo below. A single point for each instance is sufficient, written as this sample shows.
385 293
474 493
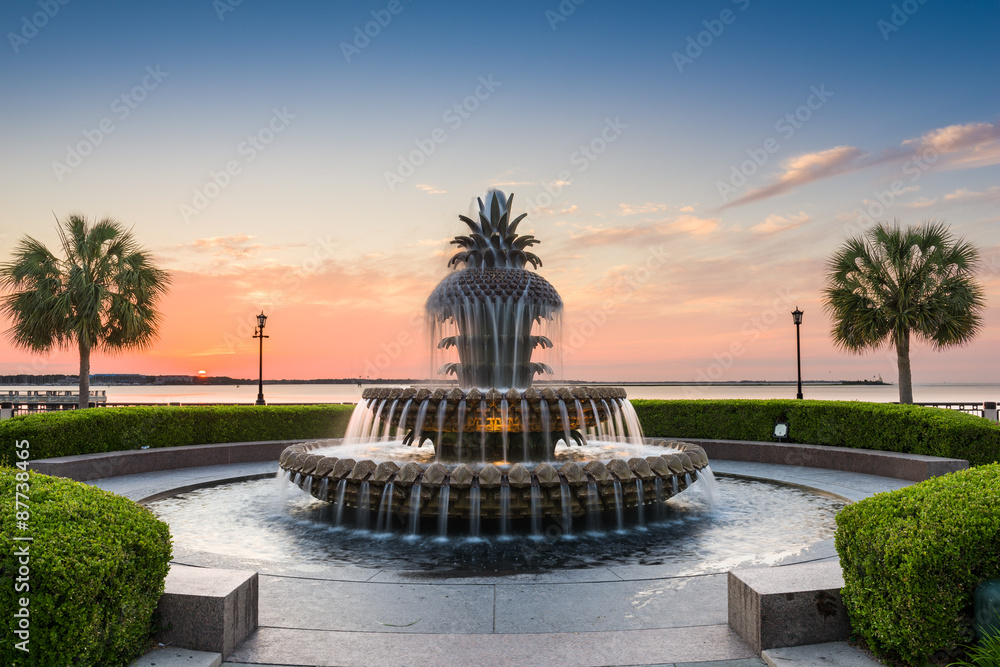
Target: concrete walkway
616 615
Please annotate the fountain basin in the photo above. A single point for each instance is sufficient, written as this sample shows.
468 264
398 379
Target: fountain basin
495 491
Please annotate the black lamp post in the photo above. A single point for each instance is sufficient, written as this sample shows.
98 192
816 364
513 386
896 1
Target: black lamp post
797 318
259 333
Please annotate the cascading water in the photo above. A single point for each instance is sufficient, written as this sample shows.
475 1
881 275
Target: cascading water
421 416
341 492
402 417
525 435
474 512
504 511
593 508
619 507
500 445
363 511
384 509
546 424
640 508
443 500
708 487
392 411
565 501
415 509
536 510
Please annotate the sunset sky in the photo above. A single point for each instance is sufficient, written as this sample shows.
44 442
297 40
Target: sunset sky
688 167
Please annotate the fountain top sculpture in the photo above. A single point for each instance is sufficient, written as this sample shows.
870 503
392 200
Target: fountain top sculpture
492 303
494 241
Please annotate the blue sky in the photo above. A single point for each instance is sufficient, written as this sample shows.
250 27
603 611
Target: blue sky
313 204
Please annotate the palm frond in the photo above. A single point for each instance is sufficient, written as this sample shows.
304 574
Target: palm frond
102 293
892 281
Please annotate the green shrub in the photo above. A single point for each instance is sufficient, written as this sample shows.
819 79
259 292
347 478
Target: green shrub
910 429
912 559
116 429
97 563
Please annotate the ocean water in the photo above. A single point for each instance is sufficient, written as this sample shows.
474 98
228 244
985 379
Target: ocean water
351 393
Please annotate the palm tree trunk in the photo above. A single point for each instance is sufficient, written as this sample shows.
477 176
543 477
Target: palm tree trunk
84 375
903 363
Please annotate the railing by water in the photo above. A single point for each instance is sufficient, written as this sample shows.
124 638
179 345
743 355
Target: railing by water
972 408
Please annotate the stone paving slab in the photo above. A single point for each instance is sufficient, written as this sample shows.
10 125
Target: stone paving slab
832 654
168 656
743 662
748 662
589 575
566 649
526 608
397 608
626 605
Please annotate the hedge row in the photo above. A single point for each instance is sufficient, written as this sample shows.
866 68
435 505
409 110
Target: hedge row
91 577
913 557
883 426
116 429
899 428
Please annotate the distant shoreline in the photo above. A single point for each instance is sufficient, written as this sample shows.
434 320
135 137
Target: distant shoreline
204 382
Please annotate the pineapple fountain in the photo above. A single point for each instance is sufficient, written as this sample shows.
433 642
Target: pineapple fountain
498 449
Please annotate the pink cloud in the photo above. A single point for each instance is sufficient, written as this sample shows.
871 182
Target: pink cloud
779 223
692 224
804 169
648 207
965 146
961 146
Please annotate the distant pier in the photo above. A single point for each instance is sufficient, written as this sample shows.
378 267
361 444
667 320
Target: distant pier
15 402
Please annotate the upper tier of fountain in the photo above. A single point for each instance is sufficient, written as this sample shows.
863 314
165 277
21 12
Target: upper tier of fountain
487 309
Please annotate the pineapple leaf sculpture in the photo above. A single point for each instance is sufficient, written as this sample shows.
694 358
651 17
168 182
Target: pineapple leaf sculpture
494 301
494 241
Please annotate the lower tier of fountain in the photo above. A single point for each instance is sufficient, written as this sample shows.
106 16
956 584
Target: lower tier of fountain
434 489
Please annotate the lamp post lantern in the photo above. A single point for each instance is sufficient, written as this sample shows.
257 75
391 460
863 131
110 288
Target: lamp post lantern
797 318
259 333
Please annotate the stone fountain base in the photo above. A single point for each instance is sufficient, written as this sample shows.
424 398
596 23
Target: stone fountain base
514 425
495 492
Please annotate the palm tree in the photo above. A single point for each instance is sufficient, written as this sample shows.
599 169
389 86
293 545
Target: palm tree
101 295
890 282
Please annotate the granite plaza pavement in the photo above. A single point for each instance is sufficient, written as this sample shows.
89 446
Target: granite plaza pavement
618 615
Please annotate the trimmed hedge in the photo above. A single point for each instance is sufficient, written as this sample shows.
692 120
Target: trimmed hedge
910 429
913 557
116 429
96 567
